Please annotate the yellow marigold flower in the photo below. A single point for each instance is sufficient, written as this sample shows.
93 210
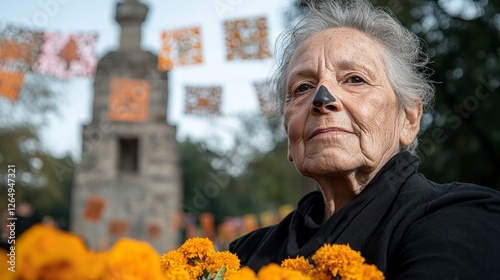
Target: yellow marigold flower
5 273
320 275
365 272
44 252
223 259
96 265
172 259
175 260
244 273
131 259
275 272
197 248
336 258
178 273
298 264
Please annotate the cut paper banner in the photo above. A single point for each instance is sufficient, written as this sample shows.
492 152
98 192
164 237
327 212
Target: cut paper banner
267 103
247 39
11 84
179 48
203 101
129 100
19 49
68 55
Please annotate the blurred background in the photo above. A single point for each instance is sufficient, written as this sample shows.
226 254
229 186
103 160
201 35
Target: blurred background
152 119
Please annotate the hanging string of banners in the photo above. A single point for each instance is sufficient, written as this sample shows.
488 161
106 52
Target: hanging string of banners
59 55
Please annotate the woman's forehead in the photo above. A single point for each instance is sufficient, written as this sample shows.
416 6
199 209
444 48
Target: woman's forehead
341 46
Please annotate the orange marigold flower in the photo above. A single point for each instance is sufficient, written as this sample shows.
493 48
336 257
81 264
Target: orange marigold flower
178 273
132 259
298 264
275 272
96 265
197 248
321 275
5 273
337 258
245 273
223 259
44 252
365 272
172 259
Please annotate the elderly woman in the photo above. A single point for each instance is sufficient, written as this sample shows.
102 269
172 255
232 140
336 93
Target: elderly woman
352 85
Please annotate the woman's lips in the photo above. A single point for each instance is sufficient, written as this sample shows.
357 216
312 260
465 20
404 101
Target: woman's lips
328 130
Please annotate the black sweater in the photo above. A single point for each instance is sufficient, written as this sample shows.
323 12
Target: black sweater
408 226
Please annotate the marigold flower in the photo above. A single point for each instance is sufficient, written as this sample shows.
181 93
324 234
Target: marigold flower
197 248
96 265
172 259
245 273
132 259
223 259
365 272
275 272
5 274
298 264
337 258
321 275
178 273
44 252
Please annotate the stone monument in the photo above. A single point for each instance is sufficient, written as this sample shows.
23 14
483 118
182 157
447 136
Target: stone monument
128 183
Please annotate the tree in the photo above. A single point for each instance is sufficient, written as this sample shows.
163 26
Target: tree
251 176
36 178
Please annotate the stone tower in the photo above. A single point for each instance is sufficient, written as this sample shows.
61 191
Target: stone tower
128 183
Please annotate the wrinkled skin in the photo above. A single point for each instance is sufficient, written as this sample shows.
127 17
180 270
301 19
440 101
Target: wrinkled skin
342 144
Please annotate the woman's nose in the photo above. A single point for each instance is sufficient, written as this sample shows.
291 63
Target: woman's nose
322 97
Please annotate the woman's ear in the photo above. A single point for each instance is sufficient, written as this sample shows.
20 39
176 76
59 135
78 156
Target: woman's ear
411 125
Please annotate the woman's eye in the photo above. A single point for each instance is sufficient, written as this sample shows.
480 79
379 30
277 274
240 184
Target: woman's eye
303 87
356 80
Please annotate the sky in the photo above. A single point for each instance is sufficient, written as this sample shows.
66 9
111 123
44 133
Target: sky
63 133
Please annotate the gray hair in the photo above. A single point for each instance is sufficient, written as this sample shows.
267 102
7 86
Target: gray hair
403 54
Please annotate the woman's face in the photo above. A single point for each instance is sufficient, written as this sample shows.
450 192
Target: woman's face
365 124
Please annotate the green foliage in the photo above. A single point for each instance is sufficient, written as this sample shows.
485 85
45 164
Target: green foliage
251 176
36 179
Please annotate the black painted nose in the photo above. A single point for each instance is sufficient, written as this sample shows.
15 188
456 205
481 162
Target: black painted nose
322 97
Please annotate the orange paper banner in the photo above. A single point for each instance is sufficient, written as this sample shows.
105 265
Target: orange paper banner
129 100
247 39
267 103
179 48
11 84
19 49
203 100
65 55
